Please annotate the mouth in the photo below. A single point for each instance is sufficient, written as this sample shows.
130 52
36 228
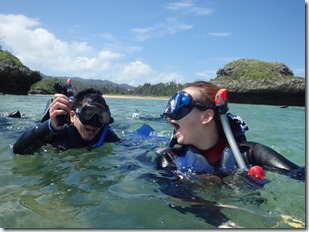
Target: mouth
175 125
90 129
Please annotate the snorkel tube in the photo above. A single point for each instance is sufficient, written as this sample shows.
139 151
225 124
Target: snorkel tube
64 119
70 90
221 103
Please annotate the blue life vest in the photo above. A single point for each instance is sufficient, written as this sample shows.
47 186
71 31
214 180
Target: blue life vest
191 160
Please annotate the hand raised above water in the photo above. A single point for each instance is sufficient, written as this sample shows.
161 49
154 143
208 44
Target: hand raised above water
61 105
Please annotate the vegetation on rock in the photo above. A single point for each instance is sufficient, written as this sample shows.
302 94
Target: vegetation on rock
6 56
252 69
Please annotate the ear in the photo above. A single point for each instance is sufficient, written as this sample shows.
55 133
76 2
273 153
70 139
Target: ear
72 116
208 116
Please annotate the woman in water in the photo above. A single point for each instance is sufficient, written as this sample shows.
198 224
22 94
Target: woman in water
200 143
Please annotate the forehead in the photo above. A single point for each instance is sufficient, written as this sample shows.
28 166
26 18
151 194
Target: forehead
194 92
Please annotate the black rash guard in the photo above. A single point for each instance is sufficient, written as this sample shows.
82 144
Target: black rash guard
66 138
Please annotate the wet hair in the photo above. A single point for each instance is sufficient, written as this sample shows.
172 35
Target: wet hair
207 91
88 96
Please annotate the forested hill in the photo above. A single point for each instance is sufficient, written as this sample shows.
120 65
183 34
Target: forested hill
48 85
247 80
80 83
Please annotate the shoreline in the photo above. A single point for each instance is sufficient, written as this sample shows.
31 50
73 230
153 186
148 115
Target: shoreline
135 97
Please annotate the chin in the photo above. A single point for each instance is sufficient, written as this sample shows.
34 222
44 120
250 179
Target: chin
180 141
87 139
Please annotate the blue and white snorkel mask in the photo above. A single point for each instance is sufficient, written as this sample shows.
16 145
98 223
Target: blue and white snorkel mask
181 104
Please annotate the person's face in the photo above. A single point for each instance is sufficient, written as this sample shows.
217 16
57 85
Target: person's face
87 132
189 129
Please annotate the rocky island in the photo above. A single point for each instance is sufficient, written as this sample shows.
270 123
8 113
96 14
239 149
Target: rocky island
258 82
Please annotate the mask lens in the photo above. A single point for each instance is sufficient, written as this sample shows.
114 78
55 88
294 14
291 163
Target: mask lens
178 106
181 104
173 103
93 115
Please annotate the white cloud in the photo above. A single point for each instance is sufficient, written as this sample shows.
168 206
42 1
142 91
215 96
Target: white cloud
168 77
220 34
80 47
188 7
168 27
137 73
16 20
109 55
36 47
41 50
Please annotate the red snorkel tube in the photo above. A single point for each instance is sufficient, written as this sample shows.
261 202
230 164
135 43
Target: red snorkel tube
70 90
221 103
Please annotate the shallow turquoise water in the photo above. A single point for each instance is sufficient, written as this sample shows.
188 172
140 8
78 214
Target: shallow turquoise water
118 186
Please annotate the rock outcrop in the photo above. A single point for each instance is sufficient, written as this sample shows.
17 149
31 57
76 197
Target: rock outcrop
15 77
258 82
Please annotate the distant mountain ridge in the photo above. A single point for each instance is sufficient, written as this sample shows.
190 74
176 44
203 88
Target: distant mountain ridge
96 82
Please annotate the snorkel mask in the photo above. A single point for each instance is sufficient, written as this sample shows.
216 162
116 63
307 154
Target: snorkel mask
181 104
94 115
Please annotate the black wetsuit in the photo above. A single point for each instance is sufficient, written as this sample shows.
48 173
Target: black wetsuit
66 138
269 159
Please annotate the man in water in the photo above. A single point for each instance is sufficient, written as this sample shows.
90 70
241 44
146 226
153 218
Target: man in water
83 121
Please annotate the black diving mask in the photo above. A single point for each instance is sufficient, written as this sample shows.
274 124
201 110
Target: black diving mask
94 115
181 104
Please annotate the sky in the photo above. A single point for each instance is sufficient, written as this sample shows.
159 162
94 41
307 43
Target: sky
151 41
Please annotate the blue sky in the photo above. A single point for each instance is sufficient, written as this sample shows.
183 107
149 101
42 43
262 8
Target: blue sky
151 41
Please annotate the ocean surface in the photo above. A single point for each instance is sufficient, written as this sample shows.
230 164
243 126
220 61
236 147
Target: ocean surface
118 186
